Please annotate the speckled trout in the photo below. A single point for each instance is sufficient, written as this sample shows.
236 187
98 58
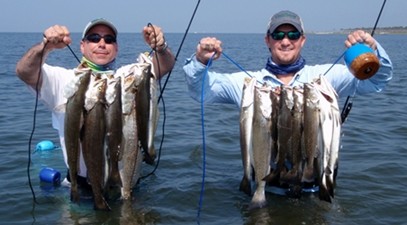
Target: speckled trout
75 94
246 124
114 133
147 112
311 130
295 152
93 140
284 132
262 143
130 163
330 125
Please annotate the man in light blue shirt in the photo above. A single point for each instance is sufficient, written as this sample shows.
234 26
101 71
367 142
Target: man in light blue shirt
285 38
285 66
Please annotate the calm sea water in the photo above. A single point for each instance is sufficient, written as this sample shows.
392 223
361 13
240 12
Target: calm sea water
373 160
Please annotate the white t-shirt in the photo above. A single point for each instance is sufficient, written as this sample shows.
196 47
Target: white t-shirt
54 80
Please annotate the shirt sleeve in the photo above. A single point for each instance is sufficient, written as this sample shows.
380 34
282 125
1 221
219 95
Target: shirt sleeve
217 87
54 80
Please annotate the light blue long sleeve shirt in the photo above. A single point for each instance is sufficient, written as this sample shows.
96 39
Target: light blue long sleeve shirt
227 87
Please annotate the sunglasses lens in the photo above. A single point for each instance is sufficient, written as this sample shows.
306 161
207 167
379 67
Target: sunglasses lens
95 38
278 35
109 39
293 35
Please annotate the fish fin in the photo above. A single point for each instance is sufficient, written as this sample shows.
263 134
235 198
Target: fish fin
271 177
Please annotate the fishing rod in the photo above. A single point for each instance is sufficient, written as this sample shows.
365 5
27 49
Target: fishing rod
349 100
179 48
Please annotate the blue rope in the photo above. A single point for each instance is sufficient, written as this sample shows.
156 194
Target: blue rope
239 66
203 139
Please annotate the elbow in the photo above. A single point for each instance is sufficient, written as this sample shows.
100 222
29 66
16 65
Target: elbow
18 69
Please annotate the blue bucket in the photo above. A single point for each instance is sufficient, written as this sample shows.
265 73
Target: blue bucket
50 175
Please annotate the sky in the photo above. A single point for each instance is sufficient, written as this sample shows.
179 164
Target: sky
212 16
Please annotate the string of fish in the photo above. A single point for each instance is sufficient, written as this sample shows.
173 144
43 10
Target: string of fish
272 121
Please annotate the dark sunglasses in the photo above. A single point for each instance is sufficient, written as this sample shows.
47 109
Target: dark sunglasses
292 35
95 38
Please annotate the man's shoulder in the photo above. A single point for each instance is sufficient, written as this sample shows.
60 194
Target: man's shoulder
57 72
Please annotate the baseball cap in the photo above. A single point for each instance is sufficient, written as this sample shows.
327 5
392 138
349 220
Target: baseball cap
285 17
99 21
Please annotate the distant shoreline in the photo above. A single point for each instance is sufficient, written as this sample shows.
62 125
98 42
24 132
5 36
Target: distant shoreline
379 30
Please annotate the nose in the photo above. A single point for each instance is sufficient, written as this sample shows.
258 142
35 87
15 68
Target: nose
285 41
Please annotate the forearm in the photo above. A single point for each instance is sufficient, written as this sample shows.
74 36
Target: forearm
29 66
193 75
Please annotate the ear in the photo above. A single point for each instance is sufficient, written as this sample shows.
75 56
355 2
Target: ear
303 39
267 40
82 47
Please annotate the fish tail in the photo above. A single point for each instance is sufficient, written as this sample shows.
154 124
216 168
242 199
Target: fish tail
151 151
113 185
114 179
330 185
148 157
324 192
292 176
245 186
75 197
259 200
101 204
